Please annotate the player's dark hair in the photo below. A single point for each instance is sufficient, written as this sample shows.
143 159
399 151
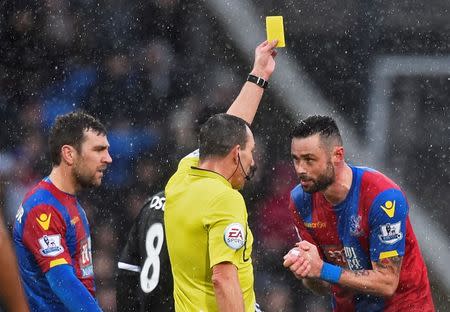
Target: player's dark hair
69 130
325 126
220 133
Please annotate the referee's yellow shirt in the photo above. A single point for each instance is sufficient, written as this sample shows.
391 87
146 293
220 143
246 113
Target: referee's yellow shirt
206 224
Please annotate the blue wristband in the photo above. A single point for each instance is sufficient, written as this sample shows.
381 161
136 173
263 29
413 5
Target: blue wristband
330 273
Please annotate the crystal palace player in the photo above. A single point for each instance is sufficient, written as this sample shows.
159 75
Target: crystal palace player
144 280
356 220
51 231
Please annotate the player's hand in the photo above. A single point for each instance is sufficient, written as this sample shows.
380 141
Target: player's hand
298 262
265 59
312 254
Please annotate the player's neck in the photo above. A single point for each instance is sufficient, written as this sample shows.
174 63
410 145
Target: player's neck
62 179
338 191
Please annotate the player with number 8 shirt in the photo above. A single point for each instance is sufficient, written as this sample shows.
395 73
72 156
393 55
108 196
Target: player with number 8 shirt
144 280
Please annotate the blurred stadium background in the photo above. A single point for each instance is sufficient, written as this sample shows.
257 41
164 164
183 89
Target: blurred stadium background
153 70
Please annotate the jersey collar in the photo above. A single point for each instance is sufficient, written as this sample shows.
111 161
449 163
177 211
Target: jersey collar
49 182
195 171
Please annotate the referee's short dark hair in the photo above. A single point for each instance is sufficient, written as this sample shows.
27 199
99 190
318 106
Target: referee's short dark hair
69 129
325 126
220 133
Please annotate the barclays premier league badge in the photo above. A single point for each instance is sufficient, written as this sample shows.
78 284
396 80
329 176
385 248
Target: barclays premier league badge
51 245
391 233
234 236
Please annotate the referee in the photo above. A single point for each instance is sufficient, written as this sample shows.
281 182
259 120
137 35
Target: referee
208 237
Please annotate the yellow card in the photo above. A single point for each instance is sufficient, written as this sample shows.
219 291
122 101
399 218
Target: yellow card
275 30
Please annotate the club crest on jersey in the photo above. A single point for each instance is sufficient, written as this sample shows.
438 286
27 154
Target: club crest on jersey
389 208
355 226
391 233
44 220
234 236
50 245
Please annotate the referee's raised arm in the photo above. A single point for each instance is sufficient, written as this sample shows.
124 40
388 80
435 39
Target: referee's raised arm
247 102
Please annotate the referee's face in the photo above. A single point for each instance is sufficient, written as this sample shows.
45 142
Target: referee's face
93 159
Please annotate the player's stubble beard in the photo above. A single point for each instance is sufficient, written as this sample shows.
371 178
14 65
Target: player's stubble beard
322 182
83 178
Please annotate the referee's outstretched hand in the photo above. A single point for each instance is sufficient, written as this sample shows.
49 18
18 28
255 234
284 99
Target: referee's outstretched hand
265 59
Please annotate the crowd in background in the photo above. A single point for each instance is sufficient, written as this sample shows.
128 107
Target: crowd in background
152 72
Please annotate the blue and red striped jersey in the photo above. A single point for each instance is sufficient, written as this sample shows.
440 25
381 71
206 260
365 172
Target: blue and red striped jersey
51 229
372 223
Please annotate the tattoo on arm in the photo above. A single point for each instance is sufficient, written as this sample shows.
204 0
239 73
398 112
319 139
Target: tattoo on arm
392 264
361 272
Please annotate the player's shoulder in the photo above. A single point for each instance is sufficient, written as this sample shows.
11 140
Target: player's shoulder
40 211
297 192
374 181
154 204
44 200
298 195
381 192
41 200
38 195
155 198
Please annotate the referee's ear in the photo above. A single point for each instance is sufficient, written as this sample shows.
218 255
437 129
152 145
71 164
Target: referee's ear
235 153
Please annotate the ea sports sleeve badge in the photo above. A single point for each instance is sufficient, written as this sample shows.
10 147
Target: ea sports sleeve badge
234 236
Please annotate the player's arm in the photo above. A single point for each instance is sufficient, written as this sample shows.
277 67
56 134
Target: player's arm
382 280
128 283
46 241
247 102
298 262
12 296
387 234
317 286
227 288
72 293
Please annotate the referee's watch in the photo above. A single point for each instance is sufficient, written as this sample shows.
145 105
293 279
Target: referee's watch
258 80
